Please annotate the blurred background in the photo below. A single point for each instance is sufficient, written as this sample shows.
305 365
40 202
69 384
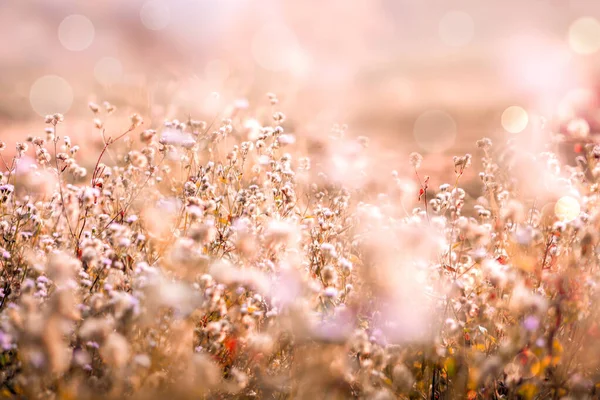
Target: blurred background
431 76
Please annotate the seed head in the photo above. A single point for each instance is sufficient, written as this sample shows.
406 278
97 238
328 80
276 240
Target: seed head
415 160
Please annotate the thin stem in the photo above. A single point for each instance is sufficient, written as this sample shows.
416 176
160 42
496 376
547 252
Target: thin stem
60 189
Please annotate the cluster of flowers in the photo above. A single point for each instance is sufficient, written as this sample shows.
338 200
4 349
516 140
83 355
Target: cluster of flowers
218 261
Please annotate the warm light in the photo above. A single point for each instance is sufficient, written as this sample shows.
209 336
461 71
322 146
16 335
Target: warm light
567 208
578 128
216 70
435 131
536 64
155 14
584 35
76 32
254 128
274 47
51 94
573 101
514 119
108 71
456 28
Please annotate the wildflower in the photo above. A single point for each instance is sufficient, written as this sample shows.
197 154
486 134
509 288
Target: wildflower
402 378
415 160
21 147
272 98
43 156
137 159
531 323
115 350
204 233
346 265
286 139
484 144
279 117
54 119
461 163
147 135
177 138
364 141
328 250
136 120
279 232
329 275
109 107
5 191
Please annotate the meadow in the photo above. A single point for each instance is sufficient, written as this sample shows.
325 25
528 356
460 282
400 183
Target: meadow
218 259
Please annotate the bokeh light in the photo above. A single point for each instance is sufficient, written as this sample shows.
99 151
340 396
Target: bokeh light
535 64
155 15
76 32
514 119
578 128
456 28
396 199
584 36
108 71
51 94
435 131
567 208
